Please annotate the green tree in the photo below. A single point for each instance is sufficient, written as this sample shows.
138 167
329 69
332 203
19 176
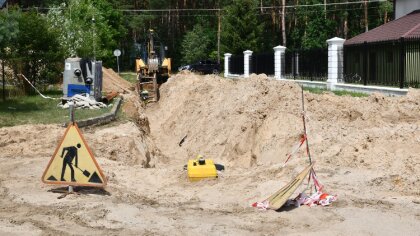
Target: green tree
87 28
318 29
9 28
35 52
195 45
241 27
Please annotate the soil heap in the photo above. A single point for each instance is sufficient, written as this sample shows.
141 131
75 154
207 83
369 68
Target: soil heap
367 151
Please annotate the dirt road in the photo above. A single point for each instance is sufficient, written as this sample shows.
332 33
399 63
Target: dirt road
367 152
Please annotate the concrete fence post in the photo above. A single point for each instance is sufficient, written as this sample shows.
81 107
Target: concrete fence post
279 52
247 55
335 61
227 59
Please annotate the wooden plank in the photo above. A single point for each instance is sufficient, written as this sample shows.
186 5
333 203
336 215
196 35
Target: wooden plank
279 198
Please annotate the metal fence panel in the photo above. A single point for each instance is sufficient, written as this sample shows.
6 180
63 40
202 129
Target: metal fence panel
307 64
236 64
389 63
262 63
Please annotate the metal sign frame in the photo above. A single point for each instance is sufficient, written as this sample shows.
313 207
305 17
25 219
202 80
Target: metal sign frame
59 182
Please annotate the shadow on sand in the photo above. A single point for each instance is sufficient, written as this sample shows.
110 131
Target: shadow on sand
79 190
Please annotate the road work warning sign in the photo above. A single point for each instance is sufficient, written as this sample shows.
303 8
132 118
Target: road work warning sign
73 162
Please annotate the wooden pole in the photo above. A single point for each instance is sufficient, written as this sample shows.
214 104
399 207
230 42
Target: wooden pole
325 9
4 80
304 128
71 108
366 16
283 21
219 26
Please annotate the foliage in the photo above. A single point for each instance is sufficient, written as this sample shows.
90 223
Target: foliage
35 52
241 28
318 30
9 28
249 24
195 45
88 29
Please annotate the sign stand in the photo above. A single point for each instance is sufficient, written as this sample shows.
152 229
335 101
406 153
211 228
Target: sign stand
70 188
117 53
73 163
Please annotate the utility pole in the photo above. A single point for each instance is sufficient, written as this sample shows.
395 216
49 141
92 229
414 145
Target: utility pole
366 16
93 38
219 26
325 9
283 21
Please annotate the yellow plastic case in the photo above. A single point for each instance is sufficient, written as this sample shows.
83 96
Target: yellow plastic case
201 169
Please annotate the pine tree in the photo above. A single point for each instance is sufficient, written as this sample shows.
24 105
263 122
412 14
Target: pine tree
241 28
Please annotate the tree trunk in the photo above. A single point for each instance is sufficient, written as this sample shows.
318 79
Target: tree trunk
386 17
219 26
325 9
295 15
366 16
283 21
4 81
346 29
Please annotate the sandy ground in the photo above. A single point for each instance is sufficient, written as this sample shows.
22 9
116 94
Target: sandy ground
366 149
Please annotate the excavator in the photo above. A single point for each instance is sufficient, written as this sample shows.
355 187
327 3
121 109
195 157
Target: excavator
153 67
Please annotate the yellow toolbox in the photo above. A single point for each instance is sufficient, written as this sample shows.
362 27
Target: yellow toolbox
200 169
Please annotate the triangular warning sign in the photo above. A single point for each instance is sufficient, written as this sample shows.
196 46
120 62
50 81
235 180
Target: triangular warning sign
73 162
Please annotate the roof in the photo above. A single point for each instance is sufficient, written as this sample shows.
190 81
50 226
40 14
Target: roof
407 26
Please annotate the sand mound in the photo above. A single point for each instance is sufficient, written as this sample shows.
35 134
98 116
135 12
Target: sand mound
113 82
257 121
367 152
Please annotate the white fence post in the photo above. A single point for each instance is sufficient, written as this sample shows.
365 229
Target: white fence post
227 59
247 55
335 61
279 62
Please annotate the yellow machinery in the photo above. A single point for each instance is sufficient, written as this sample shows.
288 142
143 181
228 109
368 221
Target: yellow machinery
153 68
201 168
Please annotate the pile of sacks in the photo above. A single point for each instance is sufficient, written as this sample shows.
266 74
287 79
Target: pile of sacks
84 102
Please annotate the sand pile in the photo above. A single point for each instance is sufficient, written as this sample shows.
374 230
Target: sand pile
257 122
367 152
113 82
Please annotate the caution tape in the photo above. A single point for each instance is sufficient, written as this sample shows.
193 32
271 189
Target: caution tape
46 97
295 149
264 205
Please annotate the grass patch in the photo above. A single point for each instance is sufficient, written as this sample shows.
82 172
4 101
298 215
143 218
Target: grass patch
129 76
315 90
37 110
338 92
353 94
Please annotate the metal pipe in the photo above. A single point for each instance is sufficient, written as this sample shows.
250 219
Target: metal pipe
108 98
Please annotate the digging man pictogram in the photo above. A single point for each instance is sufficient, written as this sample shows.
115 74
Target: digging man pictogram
68 159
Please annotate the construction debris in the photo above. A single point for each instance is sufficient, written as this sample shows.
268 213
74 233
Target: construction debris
84 102
108 98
